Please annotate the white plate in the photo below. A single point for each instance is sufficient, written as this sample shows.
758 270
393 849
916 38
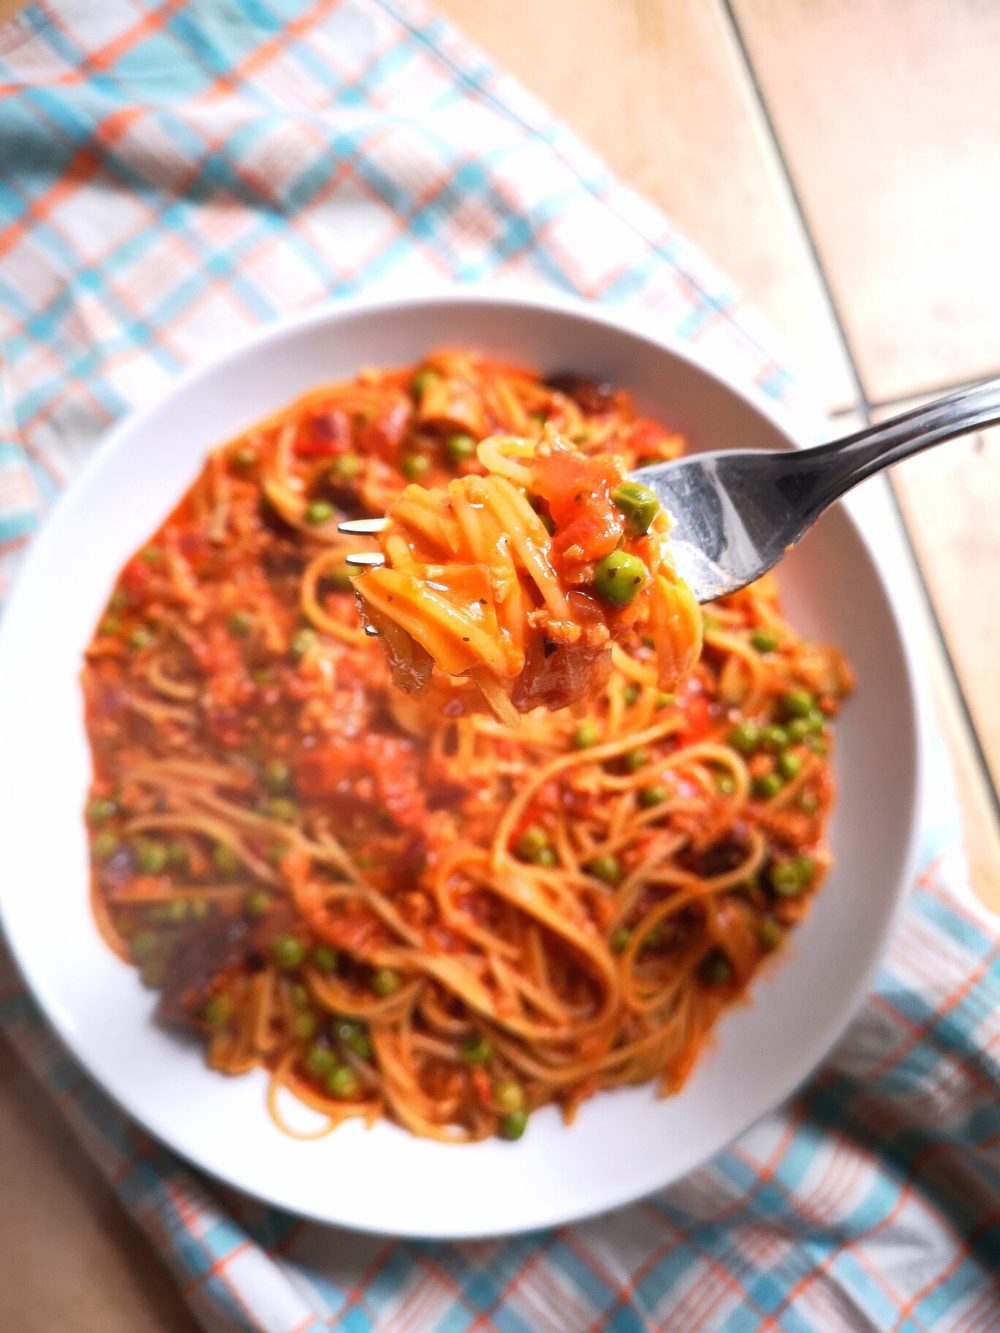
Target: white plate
623 1144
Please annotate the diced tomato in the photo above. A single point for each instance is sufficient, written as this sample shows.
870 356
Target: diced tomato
483 1085
578 493
697 717
328 433
383 435
136 576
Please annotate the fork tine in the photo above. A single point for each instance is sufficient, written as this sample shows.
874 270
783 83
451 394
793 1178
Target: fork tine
362 527
366 559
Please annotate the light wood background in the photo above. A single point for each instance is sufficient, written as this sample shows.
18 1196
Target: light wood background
840 161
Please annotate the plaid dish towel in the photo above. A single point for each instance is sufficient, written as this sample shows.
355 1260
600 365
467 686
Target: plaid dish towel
174 174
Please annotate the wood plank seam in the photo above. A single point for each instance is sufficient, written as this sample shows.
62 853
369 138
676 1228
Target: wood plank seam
865 406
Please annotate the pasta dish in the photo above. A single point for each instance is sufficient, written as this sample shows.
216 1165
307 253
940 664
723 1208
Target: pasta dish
453 903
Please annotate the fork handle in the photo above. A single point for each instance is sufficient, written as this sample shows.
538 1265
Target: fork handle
845 462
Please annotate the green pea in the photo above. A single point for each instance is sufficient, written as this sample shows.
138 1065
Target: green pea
767 786
636 759
320 1060
513 1126
547 858
605 868
101 808
343 1082
588 733
789 764
414 466
650 796
324 959
151 858
200 908
345 467
639 505
654 937
422 381
244 458
355 1037
177 853
319 511
283 809
620 937
805 868
808 802
219 1010
477 1049
764 640
143 943
798 729
798 703
151 555
224 859
769 933
240 624
178 910
288 952
111 626
664 699
460 448
140 638
745 737
619 578
531 842
257 903
300 996
276 776
631 695
386 981
817 720
785 880
118 601
275 853
508 1095
302 641
725 783
774 739
304 1026
716 969
817 744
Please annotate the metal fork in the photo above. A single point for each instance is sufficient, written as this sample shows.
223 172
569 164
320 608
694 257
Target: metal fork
737 511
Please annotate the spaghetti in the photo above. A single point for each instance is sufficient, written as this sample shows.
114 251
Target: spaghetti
522 579
397 903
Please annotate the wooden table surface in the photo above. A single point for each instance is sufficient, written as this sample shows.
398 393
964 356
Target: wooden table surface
840 162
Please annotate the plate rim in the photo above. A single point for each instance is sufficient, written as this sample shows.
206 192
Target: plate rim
630 321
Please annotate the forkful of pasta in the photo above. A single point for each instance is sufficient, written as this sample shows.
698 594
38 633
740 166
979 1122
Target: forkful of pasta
526 579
